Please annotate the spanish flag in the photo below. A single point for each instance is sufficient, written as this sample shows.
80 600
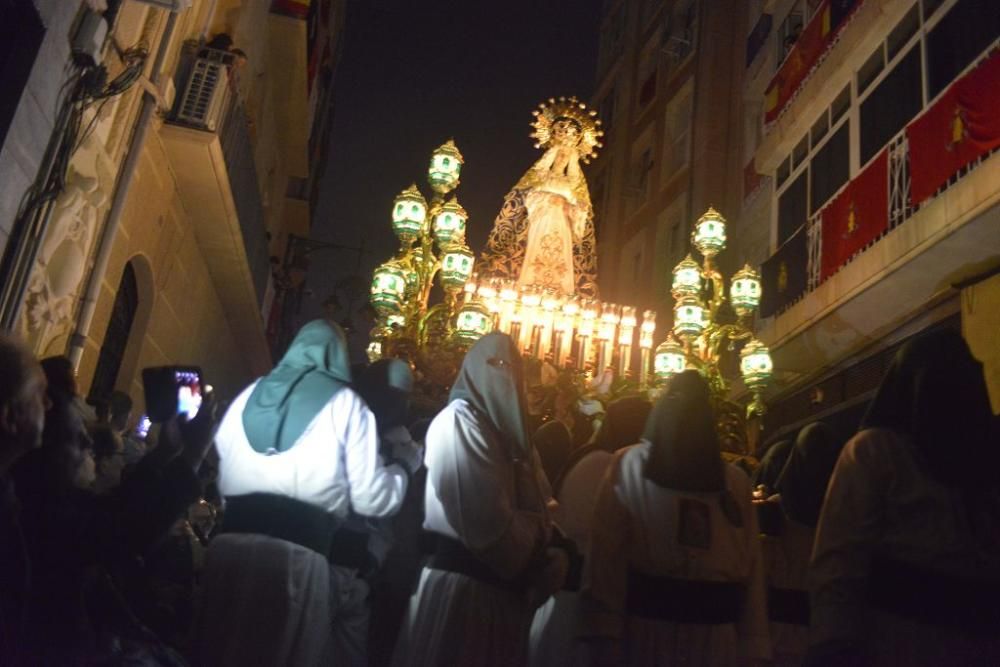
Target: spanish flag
808 49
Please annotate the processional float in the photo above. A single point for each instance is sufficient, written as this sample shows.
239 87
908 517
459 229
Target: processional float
536 280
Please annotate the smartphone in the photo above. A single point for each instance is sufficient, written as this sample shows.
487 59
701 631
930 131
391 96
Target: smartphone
172 390
142 427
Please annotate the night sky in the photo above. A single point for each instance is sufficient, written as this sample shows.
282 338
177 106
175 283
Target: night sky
412 75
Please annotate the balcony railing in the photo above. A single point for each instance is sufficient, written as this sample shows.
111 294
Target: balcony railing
901 202
211 102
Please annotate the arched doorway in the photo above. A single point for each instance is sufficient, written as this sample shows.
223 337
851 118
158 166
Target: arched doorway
116 336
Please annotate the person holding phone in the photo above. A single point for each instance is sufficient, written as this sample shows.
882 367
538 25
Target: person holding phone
297 450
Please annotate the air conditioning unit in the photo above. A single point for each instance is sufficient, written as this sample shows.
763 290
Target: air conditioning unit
204 102
169 5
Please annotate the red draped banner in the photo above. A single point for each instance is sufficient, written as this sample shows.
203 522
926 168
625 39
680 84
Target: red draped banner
814 41
961 126
857 216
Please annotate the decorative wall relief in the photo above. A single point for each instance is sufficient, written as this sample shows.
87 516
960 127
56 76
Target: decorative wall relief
60 268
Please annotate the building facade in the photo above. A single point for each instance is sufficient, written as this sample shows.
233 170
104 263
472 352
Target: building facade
870 135
666 69
177 187
851 145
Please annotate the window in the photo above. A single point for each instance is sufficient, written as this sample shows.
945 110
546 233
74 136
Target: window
612 40
800 152
644 168
606 110
109 361
21 34
648 63
830 169
891 105
958 39
681 31
871 69
792 207
784 169
677 130
840 105
902 32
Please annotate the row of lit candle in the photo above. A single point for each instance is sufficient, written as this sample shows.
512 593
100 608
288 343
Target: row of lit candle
547 325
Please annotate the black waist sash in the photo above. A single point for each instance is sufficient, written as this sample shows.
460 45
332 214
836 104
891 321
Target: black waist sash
450 555
787 605
935 598
684 600
282 518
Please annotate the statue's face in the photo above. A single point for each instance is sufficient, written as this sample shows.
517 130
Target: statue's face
566 132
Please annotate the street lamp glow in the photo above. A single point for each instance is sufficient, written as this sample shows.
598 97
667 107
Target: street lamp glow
449 223
689 317
388 288
409 211
473 322
756 365
709 235
456 266
669 359
445 167
687 278
744 293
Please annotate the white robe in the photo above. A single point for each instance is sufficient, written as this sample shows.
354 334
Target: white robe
501 517
271 602
786 559
881 502
553 630
636 525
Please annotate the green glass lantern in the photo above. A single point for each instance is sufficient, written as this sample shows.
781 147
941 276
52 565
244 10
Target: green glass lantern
669 359
689 317
473 322
445 167
687 278
409 211
456 266
449 223
744 293
709 235
756 365
388 288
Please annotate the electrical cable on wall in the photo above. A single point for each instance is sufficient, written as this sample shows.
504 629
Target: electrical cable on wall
86 85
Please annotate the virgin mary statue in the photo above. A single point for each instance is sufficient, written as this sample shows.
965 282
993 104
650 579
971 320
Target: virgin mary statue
544 235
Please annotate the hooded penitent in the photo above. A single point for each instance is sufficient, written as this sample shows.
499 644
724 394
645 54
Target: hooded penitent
554 445
771 465
803 481
624 423
685 452
386 386
935 394
491 381
285 401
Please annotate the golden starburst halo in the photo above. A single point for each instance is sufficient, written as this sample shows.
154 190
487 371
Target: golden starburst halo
547 118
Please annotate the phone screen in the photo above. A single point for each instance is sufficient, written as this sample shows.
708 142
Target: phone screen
189 392
142 427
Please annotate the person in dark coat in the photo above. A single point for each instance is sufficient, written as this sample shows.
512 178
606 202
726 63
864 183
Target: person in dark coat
77 541
22 418
906 564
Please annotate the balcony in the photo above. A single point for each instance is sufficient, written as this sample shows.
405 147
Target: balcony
912 267
207 140
816 69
